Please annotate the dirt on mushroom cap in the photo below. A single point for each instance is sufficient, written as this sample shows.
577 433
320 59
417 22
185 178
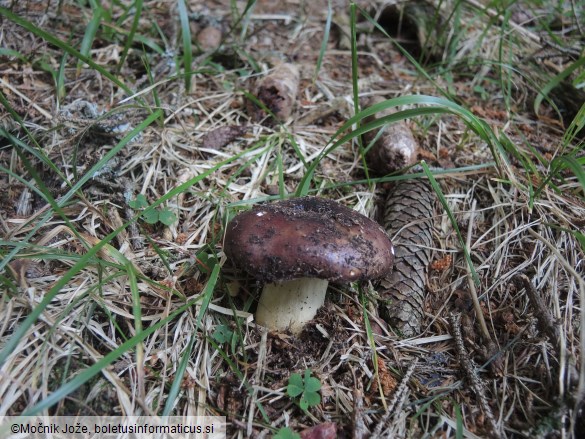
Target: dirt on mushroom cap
308 237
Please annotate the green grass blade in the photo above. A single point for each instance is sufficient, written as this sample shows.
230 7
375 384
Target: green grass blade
207 294
555 81
354 60
459 433
77 186
89 36
243 19
16 117
577 125
45 191
297 150
354 81
504 73
178 379
60 80
24 181
36 152
130 37
473 169
468 117
108 359
431 104
280 172
12 53
325 40
148 42
151 81
63 46
187 50
453 220
575 165
136 307
371 342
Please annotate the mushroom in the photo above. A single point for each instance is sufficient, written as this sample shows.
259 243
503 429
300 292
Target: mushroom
296 247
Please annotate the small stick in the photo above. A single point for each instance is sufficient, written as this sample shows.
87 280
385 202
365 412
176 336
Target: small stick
546 321
359 428
472 290
579 279
396 402
471 374
258 377
322 111
533 37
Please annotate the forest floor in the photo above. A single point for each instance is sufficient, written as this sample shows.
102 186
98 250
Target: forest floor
118 298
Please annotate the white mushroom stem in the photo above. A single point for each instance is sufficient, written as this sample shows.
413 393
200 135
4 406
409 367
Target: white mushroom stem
290 304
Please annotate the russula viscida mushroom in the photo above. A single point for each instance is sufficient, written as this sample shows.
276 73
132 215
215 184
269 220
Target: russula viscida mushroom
296 247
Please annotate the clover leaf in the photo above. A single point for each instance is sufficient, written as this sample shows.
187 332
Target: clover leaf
306 387
222 334
286 433
163 215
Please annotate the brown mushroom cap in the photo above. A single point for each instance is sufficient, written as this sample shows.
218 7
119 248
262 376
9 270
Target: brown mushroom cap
308 237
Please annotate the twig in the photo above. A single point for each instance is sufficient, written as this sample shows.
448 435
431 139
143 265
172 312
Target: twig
397 401
579 279
359 428
546 321
471 374
472 290
494 14
258 379
41 110
322 111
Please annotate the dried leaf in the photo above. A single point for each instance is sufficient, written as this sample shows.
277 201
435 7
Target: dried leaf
220 137
327 430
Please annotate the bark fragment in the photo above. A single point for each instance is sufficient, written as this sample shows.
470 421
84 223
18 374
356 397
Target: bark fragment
221 136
